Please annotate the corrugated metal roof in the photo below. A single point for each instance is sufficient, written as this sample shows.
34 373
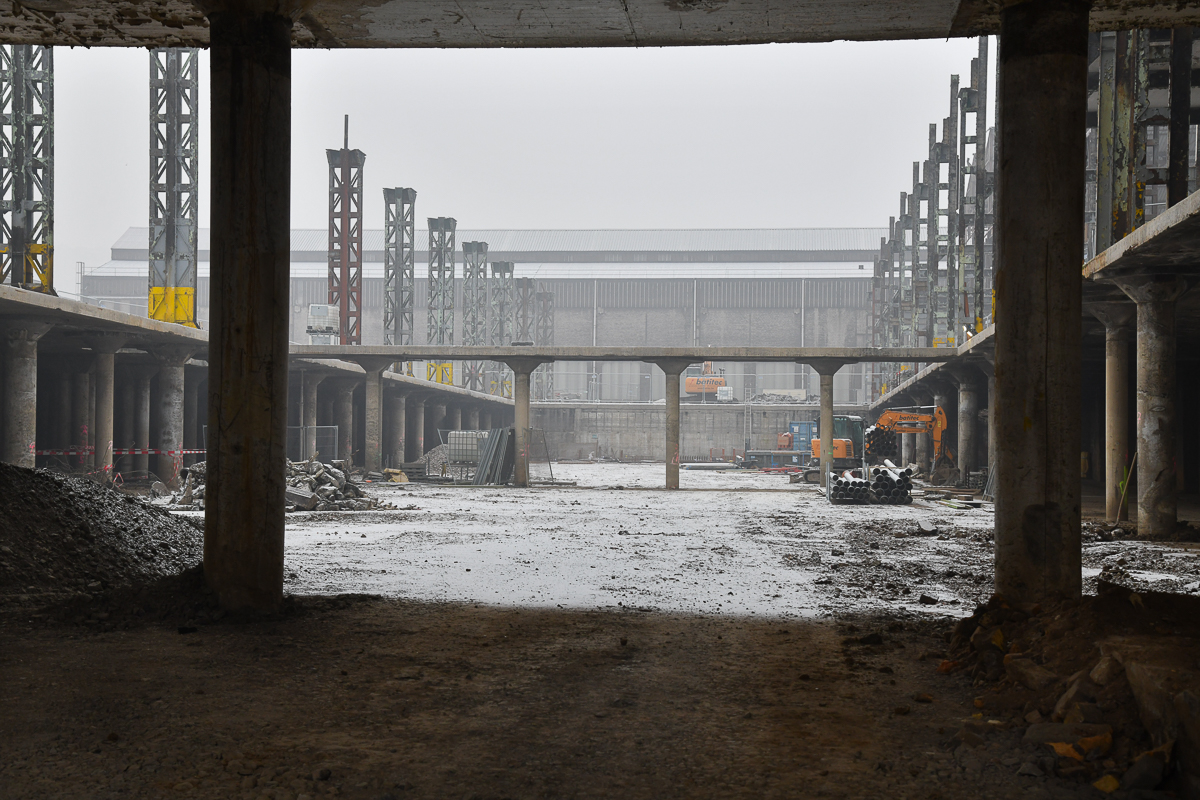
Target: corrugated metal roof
533 241
578 271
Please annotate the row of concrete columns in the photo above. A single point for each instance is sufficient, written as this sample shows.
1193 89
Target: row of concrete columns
83 414
391 419
1151 314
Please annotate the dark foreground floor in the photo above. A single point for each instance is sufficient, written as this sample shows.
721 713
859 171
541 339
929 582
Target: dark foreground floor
370 698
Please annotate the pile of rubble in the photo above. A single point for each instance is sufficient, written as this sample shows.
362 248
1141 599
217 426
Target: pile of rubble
311 486
63 536
1101 690
436 460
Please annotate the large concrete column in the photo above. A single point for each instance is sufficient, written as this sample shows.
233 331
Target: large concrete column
1157 482
81 397
671 371
20 392
454 418
435 418
343 415
826 369
1039 234
373 412
521 371
471 418
170 413
105 349
191 412
250 57
922 441
141 420
415 446
1117 319
309 417
968 414
394 447
908 443
485 419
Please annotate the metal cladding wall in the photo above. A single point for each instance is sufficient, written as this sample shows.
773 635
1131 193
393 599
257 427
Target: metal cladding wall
636 432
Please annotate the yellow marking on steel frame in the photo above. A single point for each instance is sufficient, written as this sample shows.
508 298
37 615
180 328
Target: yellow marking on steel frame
440 372
173 304
41 269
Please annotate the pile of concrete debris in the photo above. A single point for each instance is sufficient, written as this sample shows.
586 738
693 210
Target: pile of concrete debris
62 536
311 486
436 460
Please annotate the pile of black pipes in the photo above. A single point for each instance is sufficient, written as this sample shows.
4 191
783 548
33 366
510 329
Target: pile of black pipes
891 485
845 488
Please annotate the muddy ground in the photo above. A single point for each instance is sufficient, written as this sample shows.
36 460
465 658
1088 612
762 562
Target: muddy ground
748 641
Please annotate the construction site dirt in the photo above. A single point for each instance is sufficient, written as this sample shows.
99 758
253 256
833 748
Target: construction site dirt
566 642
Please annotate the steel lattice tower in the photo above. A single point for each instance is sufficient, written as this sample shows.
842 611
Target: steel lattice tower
27 167
441 293
475 308
399 274
500 327
524 317
174 190
345 237
544 337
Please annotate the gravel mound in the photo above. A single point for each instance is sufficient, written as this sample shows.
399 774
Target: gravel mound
69 536
435 459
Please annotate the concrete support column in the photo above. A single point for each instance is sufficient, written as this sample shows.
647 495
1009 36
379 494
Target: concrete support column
485 420
436 417
170 414
1042 95
671 371
826 369
373 438
991 422
343 416
471 419
1117 319
1157 482
521 371
415 446
968 411
191 416
105 349
454 420
20 393
250 57
908 443
80 414
141 421
309 417
394 447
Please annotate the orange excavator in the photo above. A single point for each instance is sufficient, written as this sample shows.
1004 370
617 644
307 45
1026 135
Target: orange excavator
707 382
881 437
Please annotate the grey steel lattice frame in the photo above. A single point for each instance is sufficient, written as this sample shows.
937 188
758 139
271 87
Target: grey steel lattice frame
399 274
27 167
500 325
544 337
174 184
976 184
475 308
523 318
345 237
441 280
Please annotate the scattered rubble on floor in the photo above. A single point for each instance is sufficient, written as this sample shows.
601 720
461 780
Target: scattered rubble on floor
64 537
311 486
1102 691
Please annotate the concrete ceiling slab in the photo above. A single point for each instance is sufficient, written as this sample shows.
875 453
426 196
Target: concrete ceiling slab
552 23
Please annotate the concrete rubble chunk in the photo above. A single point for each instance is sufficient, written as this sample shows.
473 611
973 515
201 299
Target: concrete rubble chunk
1106 671
301 498
1029 674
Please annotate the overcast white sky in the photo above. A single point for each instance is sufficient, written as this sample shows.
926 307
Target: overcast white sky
809 135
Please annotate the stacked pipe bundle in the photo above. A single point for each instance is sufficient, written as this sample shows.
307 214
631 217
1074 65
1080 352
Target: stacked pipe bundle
845 488
891 485
880 443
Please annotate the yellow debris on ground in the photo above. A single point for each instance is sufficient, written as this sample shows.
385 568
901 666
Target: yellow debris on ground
395 476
